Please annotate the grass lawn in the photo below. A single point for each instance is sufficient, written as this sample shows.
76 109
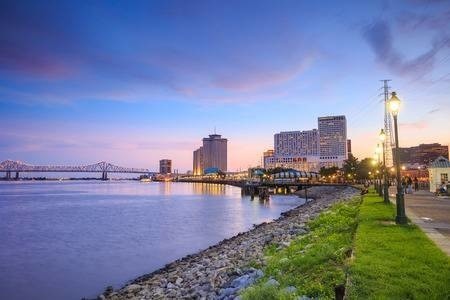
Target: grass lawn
392 261
389 261
313 264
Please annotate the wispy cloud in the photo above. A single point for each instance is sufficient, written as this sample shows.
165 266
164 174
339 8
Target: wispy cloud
434 111
379 37
418 125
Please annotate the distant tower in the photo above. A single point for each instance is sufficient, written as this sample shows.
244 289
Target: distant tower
388 126
215 152
165 166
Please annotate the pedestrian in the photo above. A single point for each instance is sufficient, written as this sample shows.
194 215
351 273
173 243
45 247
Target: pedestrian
409 182
443 188
416 184
403 183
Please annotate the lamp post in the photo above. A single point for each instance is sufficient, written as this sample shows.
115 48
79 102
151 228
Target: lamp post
394 106
378 151
374 163
382 137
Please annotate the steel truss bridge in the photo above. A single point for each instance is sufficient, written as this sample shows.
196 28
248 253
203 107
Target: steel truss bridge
10 166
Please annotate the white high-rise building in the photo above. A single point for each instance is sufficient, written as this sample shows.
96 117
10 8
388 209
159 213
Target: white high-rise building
332 140
296 143
311 149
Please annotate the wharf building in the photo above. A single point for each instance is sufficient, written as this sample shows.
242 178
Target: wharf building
310 150
165 166
212 155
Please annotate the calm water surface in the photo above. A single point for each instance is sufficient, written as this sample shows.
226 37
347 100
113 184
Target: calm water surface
68 240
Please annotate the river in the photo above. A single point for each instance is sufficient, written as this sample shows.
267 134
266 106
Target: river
71 239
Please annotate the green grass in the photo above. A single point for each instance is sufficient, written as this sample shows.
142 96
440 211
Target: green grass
389 261
314 263
395 262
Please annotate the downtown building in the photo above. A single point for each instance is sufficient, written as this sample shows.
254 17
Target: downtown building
422 154
310 150
165 166
212 155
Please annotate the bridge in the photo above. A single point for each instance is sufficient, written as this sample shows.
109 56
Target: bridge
10 166
262 188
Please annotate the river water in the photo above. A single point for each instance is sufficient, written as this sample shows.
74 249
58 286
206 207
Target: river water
71 239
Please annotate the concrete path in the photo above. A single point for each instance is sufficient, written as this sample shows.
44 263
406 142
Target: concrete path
430 213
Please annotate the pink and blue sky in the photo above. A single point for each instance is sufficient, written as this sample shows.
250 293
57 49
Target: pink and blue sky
132 82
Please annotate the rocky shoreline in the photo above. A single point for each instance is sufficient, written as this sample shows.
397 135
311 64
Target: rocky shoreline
222 270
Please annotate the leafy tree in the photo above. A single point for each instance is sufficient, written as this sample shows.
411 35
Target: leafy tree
364 167
324 171
350 165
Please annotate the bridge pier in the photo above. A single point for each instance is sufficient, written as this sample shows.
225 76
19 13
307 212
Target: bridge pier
17 176
104 175
8 175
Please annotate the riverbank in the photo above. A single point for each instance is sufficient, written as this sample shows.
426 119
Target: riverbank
233 264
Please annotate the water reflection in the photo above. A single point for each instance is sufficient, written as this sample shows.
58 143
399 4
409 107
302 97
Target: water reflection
67 240
212 189
165 188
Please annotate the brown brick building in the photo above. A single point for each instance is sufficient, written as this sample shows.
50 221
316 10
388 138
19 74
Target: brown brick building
422 154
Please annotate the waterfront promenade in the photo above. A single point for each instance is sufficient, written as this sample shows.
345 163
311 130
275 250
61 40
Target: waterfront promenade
431 213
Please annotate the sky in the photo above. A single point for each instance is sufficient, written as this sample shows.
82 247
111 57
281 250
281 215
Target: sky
133 82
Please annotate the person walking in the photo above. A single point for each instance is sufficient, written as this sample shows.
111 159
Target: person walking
403 183
409 182
416 184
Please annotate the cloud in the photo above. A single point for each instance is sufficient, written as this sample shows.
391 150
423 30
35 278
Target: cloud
418 125
66 52
411 21
255 77
434 111
379 37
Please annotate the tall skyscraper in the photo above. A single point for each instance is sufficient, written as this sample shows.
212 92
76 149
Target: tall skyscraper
215 152
165 166
198 162
332 140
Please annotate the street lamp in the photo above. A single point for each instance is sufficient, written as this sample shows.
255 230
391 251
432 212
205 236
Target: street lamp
382 137
374 163
394 106
378 151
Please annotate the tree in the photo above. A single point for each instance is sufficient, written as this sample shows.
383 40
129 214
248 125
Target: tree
324 171
364 167
350 165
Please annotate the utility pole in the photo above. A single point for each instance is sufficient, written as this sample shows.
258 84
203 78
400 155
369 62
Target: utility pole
387 126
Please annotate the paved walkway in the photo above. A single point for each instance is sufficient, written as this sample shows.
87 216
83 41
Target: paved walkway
431 213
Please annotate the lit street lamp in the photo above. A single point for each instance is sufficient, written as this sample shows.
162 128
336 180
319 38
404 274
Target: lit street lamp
374 163
382 137
394 106
378 151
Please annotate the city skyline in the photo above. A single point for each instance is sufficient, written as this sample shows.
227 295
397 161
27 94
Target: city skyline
88 82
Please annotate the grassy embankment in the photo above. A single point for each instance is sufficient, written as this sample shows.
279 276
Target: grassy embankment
390 261
395 262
